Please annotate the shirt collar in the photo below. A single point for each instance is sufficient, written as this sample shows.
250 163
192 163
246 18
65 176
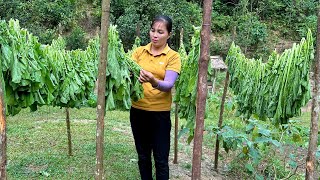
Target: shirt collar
164 51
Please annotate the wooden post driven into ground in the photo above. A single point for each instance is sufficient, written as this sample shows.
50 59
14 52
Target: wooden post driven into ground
313 138
201 89
176 118
223 99
101 101
176 126
3 134
68 131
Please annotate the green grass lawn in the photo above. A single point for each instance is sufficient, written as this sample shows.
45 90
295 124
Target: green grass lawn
37 145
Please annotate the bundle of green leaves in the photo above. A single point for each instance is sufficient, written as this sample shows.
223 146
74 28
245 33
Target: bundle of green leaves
75 72
122 86
186 85
26 75
36 74
276 89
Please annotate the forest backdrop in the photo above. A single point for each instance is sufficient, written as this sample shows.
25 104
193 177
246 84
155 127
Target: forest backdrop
258 26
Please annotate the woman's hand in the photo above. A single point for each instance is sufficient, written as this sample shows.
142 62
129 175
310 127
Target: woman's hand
146 76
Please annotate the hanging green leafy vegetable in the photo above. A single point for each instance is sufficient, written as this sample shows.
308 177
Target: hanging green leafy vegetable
276 89
36 74
186 85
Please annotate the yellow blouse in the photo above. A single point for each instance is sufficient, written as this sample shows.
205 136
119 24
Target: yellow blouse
154 99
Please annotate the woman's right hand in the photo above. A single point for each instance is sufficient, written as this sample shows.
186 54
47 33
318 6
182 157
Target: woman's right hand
146 76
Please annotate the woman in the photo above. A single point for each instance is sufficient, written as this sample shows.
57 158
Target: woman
150 116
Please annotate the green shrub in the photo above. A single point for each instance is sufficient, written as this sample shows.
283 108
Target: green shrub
250 31
46 36
220 22
76 39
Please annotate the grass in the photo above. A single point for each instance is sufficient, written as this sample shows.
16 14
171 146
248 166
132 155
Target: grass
37 145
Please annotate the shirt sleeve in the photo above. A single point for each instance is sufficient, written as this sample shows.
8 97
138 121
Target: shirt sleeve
135 54
168 82
174 63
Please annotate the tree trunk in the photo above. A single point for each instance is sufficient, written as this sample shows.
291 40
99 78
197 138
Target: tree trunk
68 131
201 89
3 128
101 101
313 138
223 99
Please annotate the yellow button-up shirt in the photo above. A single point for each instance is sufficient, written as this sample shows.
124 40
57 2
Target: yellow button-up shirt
154 99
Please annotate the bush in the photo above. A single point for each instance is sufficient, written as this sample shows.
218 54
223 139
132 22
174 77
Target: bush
250 31
47 36
309 22
76 39
220 22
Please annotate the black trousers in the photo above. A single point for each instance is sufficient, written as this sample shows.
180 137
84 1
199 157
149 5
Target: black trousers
151 132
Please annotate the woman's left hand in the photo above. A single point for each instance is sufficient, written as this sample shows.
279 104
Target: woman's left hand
146 76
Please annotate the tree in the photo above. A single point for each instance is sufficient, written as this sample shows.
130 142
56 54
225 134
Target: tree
140 13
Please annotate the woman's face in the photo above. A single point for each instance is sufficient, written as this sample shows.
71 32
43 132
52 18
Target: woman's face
159 34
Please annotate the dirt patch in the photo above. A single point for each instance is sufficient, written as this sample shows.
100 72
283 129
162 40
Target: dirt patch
126 132
84 121
307 107
34 168
183 170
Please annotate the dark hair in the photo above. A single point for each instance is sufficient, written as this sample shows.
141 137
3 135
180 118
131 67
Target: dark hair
166 19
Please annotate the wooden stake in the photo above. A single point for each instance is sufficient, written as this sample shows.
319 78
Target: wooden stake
101 102
68 131
176 127
223 99
176 120
201 89
313 138
3 134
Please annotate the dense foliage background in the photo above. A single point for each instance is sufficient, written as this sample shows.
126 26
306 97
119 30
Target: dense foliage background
257 26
